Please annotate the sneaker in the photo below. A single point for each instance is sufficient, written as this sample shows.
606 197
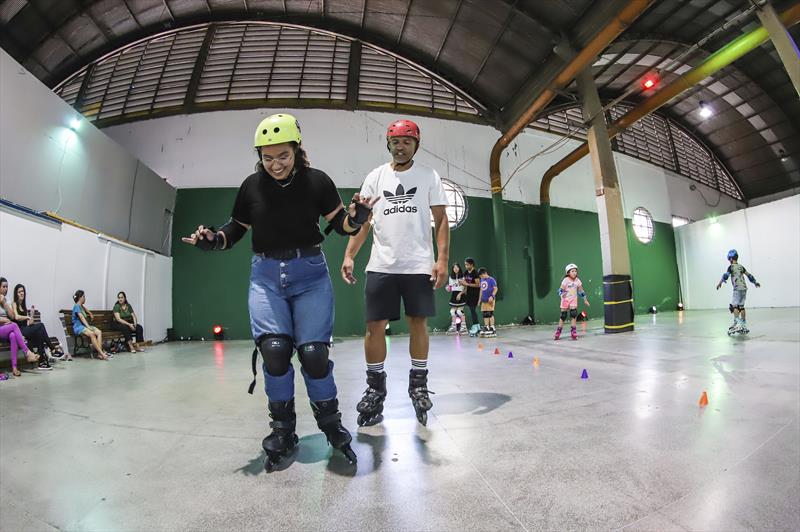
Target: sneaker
44 365
109 354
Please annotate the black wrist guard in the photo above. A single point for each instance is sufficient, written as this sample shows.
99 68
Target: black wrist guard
337 223
205 244
362 215
233 231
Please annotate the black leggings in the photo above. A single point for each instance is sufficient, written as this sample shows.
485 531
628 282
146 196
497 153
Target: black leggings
124 329
37 336
473 313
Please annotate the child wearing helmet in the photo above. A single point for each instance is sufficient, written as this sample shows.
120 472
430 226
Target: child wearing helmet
290 296
570 290
737 274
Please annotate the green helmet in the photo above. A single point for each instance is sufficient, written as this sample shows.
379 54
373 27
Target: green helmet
277 129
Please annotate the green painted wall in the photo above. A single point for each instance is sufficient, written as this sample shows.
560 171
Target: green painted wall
211 288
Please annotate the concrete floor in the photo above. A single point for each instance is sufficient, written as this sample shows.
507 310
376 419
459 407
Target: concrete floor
170 440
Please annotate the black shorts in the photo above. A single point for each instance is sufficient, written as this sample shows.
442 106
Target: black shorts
385 290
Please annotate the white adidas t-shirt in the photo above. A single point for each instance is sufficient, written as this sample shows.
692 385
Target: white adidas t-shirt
401 219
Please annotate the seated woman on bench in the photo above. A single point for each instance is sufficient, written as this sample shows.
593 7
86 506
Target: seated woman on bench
81 325
10 331
126 322
35 333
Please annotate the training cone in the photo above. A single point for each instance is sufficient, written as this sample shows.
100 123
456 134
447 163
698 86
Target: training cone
496 350
480 346
703 400
585 374
536 361
510 354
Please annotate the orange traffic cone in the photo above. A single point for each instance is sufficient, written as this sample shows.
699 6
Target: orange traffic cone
536 362
703 400
496 350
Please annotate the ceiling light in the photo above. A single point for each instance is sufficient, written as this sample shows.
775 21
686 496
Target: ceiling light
705 110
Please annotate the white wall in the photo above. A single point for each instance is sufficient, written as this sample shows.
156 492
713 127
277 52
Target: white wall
82 175
767 238
64 259
214 150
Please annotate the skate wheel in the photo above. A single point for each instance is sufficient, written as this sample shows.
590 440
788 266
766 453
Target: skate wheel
349 454
367 421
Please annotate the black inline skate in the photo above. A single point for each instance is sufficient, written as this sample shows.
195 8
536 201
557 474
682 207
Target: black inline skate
282 440
329 421
418 392
370 408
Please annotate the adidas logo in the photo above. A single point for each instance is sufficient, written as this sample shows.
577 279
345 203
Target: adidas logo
397 199
400 195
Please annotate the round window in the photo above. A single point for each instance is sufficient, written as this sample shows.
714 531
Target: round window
456 204
643 225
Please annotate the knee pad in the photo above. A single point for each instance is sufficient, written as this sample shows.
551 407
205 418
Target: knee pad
563 314
487 313
314 359
573 313
453 312
277 350
731 307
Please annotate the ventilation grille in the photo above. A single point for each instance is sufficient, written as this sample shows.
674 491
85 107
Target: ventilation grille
251 65
654 139
386 81
260 62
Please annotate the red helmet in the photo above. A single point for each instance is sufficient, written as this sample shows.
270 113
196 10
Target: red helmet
403 128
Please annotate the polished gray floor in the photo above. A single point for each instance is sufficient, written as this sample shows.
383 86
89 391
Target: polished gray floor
170 440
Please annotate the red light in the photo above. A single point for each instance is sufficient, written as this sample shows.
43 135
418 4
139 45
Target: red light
217 329
649 83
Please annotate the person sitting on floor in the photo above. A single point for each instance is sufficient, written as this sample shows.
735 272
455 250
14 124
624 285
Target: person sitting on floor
35 333
81 325
125 321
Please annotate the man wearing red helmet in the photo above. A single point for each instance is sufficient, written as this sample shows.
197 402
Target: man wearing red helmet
401 264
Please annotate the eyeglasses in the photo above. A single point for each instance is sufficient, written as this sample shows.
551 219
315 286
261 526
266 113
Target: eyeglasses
283 159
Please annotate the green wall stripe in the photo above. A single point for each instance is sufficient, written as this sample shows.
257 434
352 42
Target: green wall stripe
211 288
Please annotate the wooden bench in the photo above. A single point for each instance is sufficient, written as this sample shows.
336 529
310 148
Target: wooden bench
102 320
37 318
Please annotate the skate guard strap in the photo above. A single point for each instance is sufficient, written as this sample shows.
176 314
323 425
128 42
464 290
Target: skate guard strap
255 371
329 419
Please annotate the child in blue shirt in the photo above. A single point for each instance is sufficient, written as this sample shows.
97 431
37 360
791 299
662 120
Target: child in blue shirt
488 300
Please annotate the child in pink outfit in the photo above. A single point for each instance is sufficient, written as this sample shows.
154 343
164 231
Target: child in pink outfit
570 290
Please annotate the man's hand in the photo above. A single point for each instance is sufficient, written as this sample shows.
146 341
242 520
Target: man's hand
586 302
347 271
439 274
132 326
758 285
719 284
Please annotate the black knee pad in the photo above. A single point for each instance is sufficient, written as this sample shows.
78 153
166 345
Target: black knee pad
314 359
487 313
573 313
277 350
731 307
563 314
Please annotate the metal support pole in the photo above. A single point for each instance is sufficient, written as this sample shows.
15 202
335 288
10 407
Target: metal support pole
617 293
783 42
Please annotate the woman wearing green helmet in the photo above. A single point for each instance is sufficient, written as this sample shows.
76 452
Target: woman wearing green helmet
290 297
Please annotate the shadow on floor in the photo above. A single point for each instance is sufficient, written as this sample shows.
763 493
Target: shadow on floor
310 449
476 404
